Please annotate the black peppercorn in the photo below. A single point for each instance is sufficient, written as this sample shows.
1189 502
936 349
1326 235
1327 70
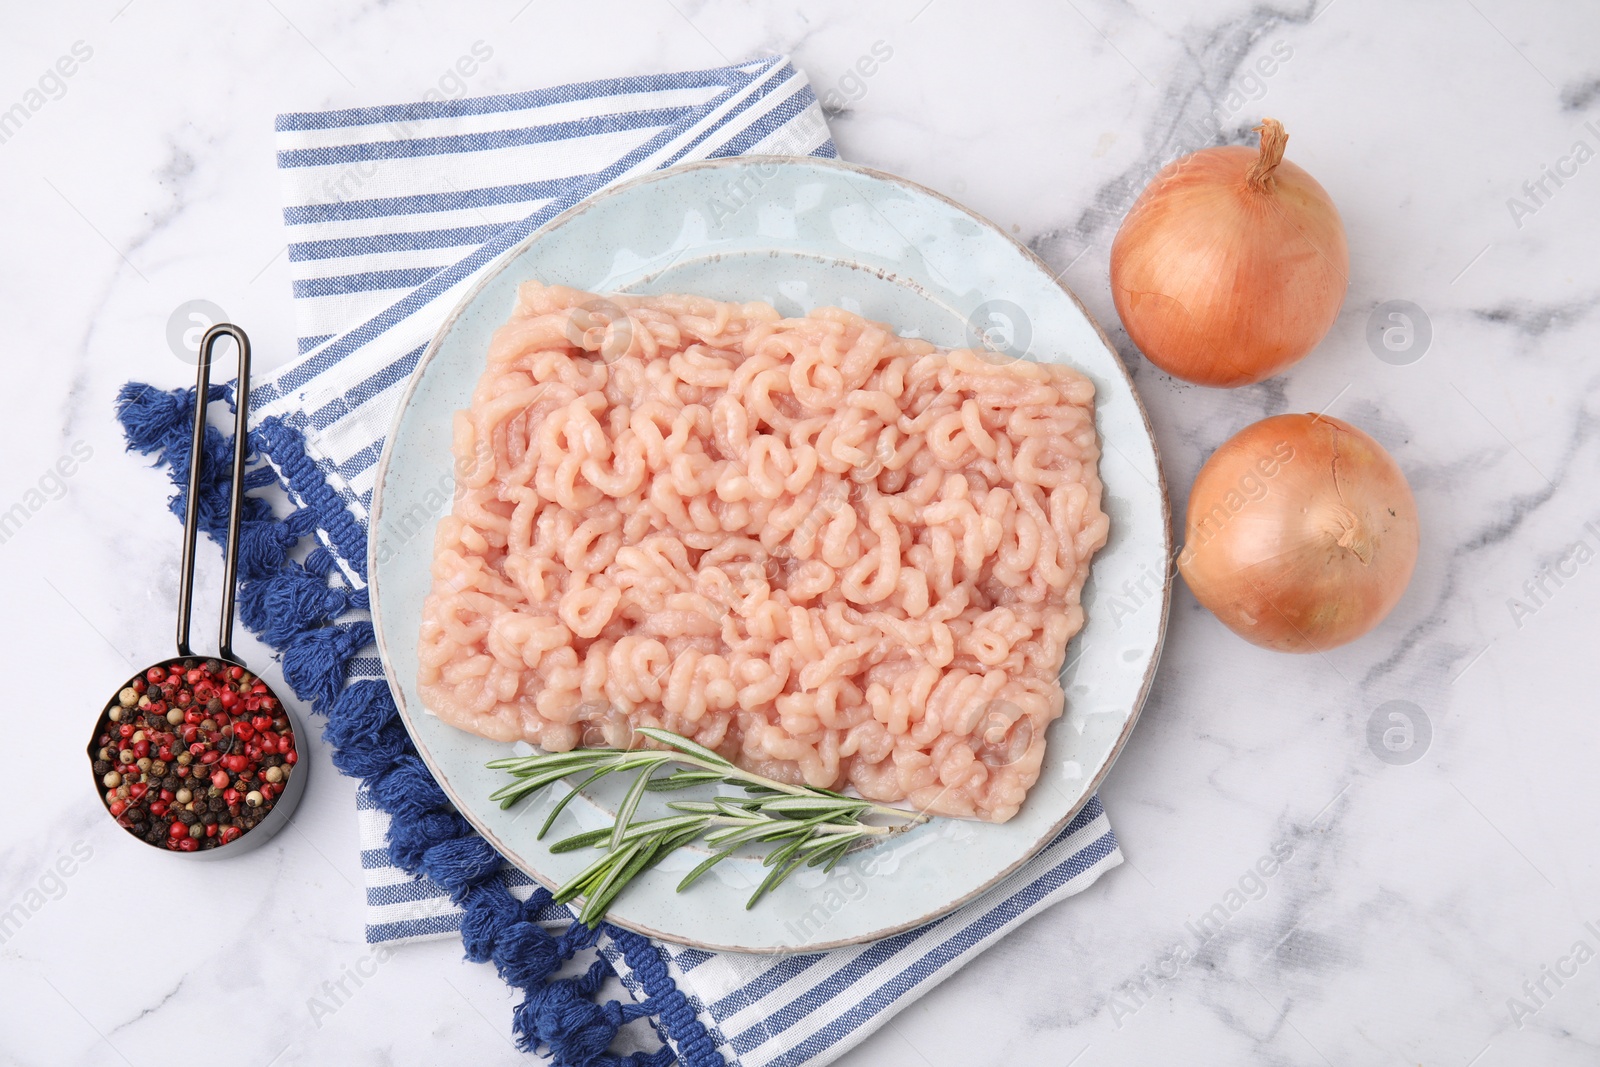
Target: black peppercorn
187 817
217 804
101 768
172 782
209 818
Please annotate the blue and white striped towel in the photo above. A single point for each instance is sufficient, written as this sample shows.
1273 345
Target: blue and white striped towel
393 213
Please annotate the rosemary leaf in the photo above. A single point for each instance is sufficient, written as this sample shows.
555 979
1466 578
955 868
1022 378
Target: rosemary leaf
805 830
630 804
668 824
830 853
709 862
781 854
510 794
580 884
513 763
683 744
683 780
779 872
732 808
698 807
834 858
802 805
655 849
617 863
529 783
561 805
745 835
583 840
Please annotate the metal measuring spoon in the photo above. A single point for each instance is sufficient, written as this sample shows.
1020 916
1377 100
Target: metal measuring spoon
119 778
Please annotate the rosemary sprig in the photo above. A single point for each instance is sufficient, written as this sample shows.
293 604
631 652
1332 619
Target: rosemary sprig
806 827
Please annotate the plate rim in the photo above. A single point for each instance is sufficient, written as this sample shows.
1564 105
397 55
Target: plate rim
503 262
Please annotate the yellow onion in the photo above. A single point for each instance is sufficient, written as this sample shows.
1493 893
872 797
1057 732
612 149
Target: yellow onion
1231 265
1301 533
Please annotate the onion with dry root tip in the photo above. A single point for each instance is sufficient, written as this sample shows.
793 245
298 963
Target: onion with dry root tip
1231 265
1301 533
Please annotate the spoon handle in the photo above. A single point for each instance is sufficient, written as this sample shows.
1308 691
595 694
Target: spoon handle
191 525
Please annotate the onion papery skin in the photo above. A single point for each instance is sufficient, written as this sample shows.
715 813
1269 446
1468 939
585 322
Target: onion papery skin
1222 283
1301 533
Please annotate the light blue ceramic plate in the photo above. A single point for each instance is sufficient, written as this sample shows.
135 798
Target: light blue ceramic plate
798 233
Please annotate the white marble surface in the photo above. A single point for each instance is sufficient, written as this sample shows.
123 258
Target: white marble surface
1417 899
